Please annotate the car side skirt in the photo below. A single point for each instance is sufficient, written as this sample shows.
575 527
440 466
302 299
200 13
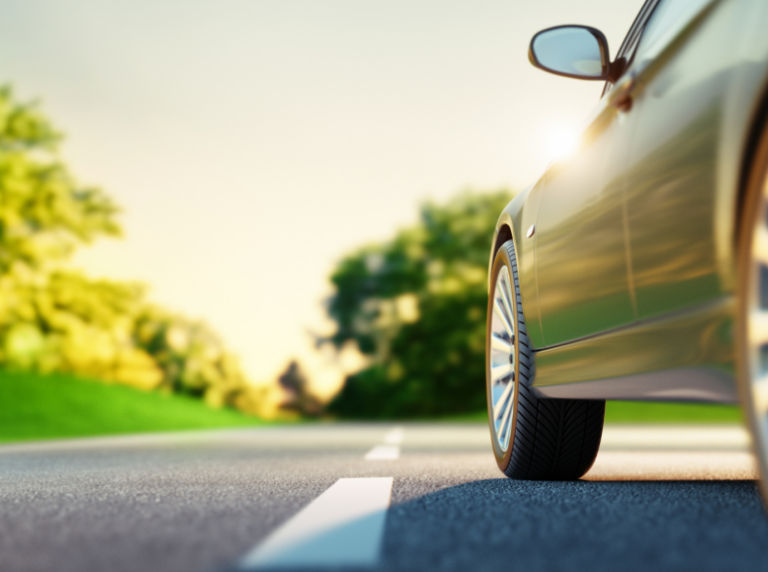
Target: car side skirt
688 356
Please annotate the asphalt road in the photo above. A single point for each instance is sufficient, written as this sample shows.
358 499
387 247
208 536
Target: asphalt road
381 497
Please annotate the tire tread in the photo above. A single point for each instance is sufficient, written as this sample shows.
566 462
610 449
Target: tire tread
554 439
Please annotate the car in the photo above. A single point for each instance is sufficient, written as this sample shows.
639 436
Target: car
636 268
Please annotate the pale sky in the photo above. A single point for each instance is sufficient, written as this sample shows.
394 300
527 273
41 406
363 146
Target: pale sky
253 143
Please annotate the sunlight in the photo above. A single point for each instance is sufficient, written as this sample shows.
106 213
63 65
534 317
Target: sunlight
561 141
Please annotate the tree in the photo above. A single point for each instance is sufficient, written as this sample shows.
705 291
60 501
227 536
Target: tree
44 212
53 319
415 306
298 398
193 358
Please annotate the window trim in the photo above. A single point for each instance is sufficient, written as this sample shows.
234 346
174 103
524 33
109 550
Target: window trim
632 40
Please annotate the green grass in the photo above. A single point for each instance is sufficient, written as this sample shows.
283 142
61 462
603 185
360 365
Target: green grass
659 412
47 406
43 407
650 412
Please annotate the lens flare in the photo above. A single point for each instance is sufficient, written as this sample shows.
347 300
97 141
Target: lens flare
561 142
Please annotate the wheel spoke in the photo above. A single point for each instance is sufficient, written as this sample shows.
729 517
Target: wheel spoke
499 310
498 406
501 371
758 327
760 394
506 421
760 247
508 305
502 358
501 344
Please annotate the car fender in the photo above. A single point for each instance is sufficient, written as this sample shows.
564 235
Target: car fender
517 222
744 116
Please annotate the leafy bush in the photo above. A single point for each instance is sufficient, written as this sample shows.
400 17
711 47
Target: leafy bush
56 320
415 307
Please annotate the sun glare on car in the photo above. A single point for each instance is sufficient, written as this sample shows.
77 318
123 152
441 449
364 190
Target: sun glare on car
561 142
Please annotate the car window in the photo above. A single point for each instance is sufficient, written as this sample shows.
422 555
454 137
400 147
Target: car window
657 23
666 21
627 47
630 40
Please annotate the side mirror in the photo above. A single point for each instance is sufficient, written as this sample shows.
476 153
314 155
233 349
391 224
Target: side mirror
573 51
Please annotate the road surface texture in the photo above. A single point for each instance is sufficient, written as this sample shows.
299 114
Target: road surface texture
377 497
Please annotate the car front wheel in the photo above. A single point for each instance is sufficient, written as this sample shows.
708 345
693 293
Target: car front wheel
752 323
532 437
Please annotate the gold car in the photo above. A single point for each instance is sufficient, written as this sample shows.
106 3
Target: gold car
637 268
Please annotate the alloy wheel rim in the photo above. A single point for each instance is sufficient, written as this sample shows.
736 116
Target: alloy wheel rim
757 328
503 359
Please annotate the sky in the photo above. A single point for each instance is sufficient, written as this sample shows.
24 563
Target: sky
252 143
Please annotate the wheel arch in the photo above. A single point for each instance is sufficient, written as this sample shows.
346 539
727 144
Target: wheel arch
509 227
503 234
758 125
744 119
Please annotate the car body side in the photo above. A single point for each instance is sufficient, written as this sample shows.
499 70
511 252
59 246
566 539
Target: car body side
627 249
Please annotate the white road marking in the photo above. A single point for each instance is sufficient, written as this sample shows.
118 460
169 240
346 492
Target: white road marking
383 453
394 437
676 437
342 527
660 465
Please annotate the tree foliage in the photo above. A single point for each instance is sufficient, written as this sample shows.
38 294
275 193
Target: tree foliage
44 212
54 319
193 359
415 307
298 398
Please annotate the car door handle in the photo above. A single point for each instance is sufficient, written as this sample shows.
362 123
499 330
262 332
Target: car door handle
622 98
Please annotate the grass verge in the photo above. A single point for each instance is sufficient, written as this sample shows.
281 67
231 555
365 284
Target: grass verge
650 412
660 412
49 406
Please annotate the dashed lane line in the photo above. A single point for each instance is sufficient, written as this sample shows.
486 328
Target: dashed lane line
394 437
383 453
342 527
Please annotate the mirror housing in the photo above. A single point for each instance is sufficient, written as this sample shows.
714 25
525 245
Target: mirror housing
579 52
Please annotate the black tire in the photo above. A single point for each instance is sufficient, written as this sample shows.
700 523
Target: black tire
546 439
752 305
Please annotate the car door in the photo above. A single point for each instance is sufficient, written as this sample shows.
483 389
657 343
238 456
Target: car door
581 242
678 75
580 249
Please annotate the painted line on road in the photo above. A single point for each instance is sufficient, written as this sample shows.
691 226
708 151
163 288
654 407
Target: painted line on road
676 437
383 453
344 526
394 437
